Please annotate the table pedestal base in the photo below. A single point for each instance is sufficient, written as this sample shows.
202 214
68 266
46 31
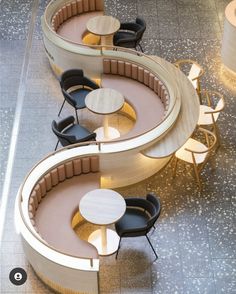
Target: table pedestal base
112 134
112 241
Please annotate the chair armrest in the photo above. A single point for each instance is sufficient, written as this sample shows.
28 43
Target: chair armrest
139 203
133 231
90 137
125 40
68 98
90 83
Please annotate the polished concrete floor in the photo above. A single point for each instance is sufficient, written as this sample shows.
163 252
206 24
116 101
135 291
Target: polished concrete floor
195 236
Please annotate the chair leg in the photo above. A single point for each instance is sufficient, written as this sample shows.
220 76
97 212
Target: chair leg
151 246
175 166
56 145
77 119
61 107
118 248
197 176
217 133
140 47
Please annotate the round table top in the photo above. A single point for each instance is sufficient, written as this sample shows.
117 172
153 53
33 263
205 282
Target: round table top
103 25
102 206
104 101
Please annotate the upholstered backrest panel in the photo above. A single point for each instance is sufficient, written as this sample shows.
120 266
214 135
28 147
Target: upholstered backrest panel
136 72
59 174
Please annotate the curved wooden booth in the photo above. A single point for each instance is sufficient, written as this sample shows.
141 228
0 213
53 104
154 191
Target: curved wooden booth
164 107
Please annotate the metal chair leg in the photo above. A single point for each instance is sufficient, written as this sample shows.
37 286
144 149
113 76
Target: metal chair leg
118 248
140 47
77 119
61 107
152 247
56 145
197 176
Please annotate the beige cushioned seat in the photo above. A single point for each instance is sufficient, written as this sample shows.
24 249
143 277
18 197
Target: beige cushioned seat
74 28
55 212
147 105
54 201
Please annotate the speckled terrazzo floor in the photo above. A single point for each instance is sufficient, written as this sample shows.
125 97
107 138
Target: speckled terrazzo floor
195 237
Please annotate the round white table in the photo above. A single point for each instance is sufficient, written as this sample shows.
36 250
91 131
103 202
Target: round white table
105 101
104 26
103 207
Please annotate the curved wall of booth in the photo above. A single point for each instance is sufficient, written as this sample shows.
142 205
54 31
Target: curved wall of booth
122 162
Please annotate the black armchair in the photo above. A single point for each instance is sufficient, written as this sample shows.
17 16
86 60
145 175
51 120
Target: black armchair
140 216
130 34
81 87
69 133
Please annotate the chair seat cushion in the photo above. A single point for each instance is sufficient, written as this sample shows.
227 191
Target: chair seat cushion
133 219
124 35
79 97
192 144
78 131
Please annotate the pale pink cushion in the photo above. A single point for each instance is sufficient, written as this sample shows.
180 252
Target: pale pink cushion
42 184
54 214
85 165
79 6
54 177
74 28
92 5
86 5
69 169
146 103
48 181
99 4
61 173
38 192
134 71
94 163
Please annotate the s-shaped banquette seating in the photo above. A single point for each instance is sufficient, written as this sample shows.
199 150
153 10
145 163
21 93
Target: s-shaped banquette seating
156 98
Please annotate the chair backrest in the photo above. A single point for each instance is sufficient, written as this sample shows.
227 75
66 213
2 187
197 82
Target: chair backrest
215 100
139 34
71 77
58 127
194 72
155 213
210 139
75 77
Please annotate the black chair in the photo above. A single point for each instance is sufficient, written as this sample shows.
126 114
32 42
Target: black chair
82 86
69 133
130 34
140 216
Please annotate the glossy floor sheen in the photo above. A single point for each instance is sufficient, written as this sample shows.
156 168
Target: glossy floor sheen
195 237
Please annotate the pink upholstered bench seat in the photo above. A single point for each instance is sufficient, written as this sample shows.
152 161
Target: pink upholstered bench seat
74 28
147 104
55 212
